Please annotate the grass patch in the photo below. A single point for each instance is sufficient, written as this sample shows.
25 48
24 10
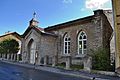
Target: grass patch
76 67
73 67
62 65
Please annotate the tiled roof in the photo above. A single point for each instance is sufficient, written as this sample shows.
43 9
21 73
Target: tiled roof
39 30
12 33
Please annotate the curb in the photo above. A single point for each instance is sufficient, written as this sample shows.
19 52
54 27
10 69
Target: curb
37 68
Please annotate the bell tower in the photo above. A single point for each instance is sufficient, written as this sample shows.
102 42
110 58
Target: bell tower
33 22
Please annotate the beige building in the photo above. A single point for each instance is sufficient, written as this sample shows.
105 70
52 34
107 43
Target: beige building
17 37
116 11
70 42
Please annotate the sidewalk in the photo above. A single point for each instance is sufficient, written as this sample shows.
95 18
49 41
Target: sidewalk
80 73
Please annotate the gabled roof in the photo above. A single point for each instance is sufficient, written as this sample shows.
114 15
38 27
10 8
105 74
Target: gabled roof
77 21
12 33
38 29
73 22
64 25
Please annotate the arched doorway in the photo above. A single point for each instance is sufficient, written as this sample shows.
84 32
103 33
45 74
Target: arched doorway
31 51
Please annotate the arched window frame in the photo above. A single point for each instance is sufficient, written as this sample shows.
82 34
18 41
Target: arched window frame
82 42
66 44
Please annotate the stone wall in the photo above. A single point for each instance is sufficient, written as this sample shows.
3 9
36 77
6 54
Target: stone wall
107 32
98 32
36 37
44 46
48 47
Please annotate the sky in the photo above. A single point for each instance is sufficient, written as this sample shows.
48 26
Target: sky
16 14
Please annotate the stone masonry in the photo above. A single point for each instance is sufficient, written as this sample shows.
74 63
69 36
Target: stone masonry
46 46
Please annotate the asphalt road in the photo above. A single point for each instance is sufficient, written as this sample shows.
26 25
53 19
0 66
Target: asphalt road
13 72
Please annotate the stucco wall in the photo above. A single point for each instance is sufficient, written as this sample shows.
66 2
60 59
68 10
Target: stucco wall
12 36
116 15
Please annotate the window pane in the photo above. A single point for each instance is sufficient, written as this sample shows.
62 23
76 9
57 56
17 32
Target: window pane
85 51
68 47
84 42
68 39
68 43
84 37
80 51
80 37
65 43
80 44
65 51
69 51
65 39
65 47
85 46
82 33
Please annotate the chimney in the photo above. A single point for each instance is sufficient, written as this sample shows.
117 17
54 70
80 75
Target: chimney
98 12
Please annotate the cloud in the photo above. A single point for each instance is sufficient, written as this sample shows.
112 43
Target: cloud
67 1
95 4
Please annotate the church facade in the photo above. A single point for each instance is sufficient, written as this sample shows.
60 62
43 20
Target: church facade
69 43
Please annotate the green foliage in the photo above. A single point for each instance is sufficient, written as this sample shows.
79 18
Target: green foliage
9 46
72 66
76 67
101 59
61 65
20 57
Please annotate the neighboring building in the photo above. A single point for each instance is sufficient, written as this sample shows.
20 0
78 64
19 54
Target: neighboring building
15 36
109 15
69 42
116 14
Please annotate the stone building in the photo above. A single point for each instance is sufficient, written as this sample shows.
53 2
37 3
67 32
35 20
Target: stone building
38 46
109 14
70 42
17 37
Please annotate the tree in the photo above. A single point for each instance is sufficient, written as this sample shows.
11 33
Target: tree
9 46
101 60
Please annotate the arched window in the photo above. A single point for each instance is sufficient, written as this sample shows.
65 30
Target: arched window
66 44
82 42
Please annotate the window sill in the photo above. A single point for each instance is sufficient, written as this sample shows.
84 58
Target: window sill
80 55
65 55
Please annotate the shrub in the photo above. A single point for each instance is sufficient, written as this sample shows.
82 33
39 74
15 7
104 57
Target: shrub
76 67
101 60
61 65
